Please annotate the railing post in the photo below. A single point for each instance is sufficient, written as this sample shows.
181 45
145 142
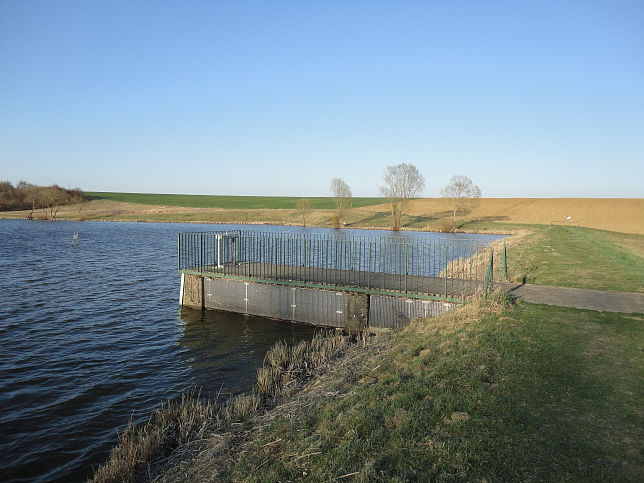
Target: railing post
505 263
218 238
369 268
179 251
248 256
489 275
335 268
406 264
275 255
446 248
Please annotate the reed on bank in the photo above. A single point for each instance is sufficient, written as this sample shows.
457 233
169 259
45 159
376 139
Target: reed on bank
497 391
145 448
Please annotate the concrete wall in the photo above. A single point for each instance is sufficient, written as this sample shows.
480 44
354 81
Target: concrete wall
298 304
193 291
396 312
328 308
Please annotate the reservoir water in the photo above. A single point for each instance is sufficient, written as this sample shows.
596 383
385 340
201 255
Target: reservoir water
92 336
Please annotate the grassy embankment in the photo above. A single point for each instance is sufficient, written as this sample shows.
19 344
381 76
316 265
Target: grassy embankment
494 391
580 257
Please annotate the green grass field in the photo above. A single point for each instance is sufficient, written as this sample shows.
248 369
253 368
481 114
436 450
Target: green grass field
227 202
580 257
491 393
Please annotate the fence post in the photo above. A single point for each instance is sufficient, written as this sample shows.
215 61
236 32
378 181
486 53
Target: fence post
406 264
335 265
489 275
505 263
218 238
369 268
275 256
446 248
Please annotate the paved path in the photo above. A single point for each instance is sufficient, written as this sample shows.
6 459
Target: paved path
626 302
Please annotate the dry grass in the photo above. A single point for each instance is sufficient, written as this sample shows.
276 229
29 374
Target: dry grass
478 265
141 446
618 214
173 429
615 214
120 211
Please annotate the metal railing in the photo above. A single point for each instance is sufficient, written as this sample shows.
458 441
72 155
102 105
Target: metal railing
445 269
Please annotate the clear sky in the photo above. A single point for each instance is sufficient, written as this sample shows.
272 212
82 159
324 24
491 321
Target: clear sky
527 98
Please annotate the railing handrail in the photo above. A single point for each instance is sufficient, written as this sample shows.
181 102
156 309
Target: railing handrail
338 237
410 265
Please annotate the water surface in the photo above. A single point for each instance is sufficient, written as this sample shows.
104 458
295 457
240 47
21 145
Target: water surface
92 335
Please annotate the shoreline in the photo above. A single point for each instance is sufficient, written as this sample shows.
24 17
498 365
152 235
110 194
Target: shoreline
258 223
372 401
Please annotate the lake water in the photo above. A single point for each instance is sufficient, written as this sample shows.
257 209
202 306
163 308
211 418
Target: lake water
92 335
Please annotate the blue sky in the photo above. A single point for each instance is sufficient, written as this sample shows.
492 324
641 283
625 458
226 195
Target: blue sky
527 98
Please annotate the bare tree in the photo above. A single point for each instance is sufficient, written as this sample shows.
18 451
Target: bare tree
461 191
403 182
32 195
342 195
304 206
51 199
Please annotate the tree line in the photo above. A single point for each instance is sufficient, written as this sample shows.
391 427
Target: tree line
403 183
42 201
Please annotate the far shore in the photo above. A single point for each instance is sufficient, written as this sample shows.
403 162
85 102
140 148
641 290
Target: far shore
487 215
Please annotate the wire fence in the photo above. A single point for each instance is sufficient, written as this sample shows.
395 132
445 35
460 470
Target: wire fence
435 268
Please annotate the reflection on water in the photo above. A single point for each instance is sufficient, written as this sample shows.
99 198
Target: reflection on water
231 345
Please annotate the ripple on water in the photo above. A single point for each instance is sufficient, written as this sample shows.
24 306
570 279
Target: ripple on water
92 336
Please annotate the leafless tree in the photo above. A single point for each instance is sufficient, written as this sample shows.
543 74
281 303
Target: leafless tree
403 182
32 195
461 191
51 199
27 196
342 195
304 206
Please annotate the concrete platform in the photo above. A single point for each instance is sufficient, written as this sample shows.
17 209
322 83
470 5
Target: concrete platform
413 284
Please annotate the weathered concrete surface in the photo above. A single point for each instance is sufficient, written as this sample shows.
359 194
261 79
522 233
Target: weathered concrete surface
193 291
352 311
625 302
357 311
396 312
327 308
455 288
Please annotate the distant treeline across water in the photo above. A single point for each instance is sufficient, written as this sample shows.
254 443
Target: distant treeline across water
27 196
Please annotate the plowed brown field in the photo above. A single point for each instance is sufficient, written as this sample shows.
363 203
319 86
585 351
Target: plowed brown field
616 214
